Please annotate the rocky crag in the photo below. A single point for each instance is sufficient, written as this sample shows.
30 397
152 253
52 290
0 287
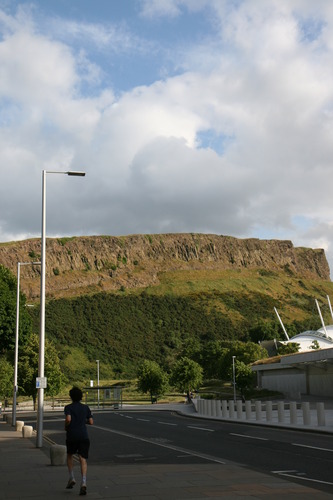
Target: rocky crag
91 264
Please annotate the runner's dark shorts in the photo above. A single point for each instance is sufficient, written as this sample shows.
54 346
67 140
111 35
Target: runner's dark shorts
80 446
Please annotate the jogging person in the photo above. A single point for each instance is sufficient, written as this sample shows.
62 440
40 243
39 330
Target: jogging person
77 439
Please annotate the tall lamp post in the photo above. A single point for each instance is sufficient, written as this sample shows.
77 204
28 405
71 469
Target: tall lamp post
19 264
234 377
97 361
41 361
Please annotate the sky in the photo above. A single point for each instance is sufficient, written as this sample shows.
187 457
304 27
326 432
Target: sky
197 116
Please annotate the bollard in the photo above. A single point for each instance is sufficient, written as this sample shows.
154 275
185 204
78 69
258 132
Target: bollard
248 410
258 410
306 413
19 425
205 407
213 408
321 414
269 407
58 454
293 412
231 409
218 408
27 431
224 409
281 412
239 406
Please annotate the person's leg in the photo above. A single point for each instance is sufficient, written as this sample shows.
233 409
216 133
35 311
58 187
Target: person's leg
71 450
83 456
70 466
83 463
84 466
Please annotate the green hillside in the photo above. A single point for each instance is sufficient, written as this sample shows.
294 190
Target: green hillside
185 311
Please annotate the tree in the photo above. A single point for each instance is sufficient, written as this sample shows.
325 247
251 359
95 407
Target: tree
244 376
247 352
315 345
212 358
28 368
289 348
6 377
152 379
187 375
8 298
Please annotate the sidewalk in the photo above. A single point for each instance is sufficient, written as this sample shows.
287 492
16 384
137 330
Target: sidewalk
26 472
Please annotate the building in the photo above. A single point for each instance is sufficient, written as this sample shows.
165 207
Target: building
294 375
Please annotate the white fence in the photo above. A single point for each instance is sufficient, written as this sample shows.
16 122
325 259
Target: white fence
281 412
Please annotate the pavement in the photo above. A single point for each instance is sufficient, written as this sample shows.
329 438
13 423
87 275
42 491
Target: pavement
26 472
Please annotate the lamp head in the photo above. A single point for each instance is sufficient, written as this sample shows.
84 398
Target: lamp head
76 173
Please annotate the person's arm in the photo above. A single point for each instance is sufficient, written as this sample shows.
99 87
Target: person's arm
67 422
90 421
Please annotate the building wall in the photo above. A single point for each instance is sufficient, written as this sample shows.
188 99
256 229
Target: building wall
320 380
291 382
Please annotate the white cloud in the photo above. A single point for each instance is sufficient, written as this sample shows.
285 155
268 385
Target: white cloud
266 93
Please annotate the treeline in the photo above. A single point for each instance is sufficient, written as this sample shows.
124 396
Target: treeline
122 329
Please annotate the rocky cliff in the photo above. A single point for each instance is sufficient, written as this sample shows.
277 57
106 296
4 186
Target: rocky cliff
95 263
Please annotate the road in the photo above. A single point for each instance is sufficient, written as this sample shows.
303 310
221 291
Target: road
166 437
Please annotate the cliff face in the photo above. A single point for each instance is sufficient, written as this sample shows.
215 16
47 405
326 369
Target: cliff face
96 263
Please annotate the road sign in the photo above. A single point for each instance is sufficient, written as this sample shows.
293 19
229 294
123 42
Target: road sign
41 382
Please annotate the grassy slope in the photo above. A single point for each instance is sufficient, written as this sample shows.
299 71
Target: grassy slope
293 297
123 327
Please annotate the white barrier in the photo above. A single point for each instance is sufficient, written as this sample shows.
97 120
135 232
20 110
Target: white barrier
231 409
293 413
258 410
218 408
224 409
269 408
58 454
248 410
19 425
239 407
27 431
306 413
281 412
227 410
321 414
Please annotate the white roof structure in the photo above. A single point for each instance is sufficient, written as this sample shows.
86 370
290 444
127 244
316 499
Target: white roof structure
306 339
312 339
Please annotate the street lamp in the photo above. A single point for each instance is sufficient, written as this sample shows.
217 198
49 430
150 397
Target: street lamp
41 362
19 264
234 377
97 361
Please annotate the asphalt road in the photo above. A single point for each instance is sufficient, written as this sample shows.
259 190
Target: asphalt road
165 437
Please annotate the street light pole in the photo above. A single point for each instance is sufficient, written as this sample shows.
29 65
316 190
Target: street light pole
97 361
19 264
41 361
234 377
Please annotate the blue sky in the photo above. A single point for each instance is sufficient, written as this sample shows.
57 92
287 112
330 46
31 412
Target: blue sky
210 116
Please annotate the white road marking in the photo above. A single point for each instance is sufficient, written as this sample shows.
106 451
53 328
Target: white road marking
143 419
131 455
167 423
312 447
200 428
296 476
247 436
283 471
162 445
